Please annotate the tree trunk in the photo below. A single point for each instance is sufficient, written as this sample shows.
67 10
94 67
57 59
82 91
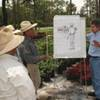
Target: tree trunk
14 12
97 8
70 7
35 2
4 12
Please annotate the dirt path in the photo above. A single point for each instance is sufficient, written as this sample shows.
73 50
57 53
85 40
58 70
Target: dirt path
62 89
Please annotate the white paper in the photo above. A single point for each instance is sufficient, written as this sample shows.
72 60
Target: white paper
69 37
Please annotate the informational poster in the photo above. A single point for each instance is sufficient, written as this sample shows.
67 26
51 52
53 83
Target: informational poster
69 37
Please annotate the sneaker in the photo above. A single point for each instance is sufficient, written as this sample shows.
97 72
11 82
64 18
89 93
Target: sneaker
91 94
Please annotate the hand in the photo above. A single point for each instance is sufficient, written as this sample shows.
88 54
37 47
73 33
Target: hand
96 43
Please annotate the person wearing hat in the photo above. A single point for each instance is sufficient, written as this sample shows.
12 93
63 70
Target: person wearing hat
28 52
15 84
15 31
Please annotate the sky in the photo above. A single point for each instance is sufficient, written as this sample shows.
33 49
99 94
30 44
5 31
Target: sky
78 3
0 2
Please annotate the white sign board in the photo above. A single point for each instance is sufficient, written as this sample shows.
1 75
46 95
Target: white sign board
69 37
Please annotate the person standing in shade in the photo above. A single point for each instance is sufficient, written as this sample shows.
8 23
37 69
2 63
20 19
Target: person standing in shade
28 52
94 53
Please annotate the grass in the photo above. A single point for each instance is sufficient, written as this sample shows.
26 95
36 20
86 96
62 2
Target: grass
48 30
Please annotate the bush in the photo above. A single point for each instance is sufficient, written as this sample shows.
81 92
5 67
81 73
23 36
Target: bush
47 69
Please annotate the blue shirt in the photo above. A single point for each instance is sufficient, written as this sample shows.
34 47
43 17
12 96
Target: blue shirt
93 51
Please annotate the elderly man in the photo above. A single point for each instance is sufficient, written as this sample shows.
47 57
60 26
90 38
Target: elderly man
28 52
15 83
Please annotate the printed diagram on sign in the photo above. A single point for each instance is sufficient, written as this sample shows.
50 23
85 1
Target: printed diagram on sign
69 37
70 33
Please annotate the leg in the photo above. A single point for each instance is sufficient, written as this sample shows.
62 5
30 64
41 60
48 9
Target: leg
34 74
95 66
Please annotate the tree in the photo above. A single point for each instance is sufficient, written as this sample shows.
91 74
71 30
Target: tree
4 12
41 11
97 8
70 8
92 8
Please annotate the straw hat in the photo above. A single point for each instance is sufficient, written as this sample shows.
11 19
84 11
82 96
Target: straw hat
10 27
16 32
8 40
26 25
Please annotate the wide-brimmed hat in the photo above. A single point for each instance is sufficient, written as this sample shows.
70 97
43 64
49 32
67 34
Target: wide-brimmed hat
18 32
8 40
15 31
10 27
26 25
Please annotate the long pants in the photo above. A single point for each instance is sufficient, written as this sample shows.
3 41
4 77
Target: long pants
95 71
34 74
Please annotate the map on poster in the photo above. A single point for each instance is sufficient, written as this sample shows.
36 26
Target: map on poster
69 37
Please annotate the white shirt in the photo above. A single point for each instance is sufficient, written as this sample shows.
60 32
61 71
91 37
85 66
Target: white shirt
15 83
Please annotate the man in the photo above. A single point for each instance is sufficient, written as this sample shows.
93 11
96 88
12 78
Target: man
28 52
94 52
15 83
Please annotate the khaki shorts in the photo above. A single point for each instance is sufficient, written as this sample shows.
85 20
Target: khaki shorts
34 73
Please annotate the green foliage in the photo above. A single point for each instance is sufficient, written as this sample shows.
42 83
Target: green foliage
1 16
88 29
48 30
47 67
42 43
41 11
70 8
41 46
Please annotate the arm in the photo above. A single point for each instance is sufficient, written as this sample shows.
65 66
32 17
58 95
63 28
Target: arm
28 57
96 43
